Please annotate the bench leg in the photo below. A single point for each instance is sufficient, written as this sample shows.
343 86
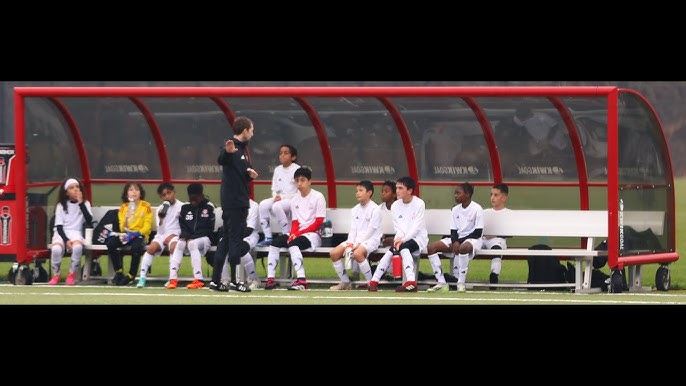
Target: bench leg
87 264
588 272
635 278
110 270
416 267
582 276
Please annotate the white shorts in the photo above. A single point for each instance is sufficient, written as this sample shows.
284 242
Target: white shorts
159 239
490 242
476 246
369 246
203 244
252 240
315 240
71 234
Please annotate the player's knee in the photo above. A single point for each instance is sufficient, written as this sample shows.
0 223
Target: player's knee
465 248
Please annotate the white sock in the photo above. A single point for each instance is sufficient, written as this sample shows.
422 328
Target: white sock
366 270
146 262
339 267
496 265
56 259
76 253
382 266
272 261
463 262
408 264
436 266
249 265
196 260
297 259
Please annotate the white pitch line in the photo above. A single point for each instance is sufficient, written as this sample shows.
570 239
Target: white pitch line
362 299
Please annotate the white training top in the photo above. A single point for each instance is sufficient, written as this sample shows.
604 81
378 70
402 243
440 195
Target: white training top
306 209
409 222
72 219
466 220
283 183
170 225
497 213
253 220
384 210
386 215
365 225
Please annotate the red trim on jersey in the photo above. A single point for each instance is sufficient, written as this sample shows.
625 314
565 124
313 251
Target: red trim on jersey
294 228
315 226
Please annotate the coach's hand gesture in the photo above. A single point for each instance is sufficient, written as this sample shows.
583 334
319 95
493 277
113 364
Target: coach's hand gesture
230 147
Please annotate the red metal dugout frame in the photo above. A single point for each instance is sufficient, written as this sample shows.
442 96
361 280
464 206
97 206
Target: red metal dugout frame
472 97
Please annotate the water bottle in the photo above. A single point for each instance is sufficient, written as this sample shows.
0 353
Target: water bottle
397 261
327 229
165 208
326 232
348 258
132 205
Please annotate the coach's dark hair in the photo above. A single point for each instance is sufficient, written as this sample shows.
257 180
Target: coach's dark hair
468 188
367 185
303 171
502 187
408 182
240 124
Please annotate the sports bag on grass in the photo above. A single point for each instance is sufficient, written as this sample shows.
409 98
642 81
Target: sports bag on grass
545 269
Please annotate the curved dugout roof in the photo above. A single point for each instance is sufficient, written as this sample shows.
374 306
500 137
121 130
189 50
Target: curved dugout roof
589 147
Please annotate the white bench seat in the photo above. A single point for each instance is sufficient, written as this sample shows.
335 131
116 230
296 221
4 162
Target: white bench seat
93 250
584 228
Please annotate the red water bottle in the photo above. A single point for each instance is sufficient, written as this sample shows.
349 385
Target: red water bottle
397 265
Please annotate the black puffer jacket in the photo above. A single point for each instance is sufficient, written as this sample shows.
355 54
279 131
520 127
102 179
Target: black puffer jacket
197 221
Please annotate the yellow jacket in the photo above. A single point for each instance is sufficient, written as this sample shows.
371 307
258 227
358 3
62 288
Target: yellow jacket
143 219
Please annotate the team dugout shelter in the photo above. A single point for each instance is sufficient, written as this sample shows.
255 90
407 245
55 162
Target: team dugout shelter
577 148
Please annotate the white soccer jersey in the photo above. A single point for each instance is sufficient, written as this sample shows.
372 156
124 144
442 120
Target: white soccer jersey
283 183
365 226
466 220
253 221
386 217
170 225
307 209
72 219
409 222
497 213
384 210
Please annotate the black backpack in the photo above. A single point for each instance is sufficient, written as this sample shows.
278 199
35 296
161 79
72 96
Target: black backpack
20 274
545 269
108 223
599 279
